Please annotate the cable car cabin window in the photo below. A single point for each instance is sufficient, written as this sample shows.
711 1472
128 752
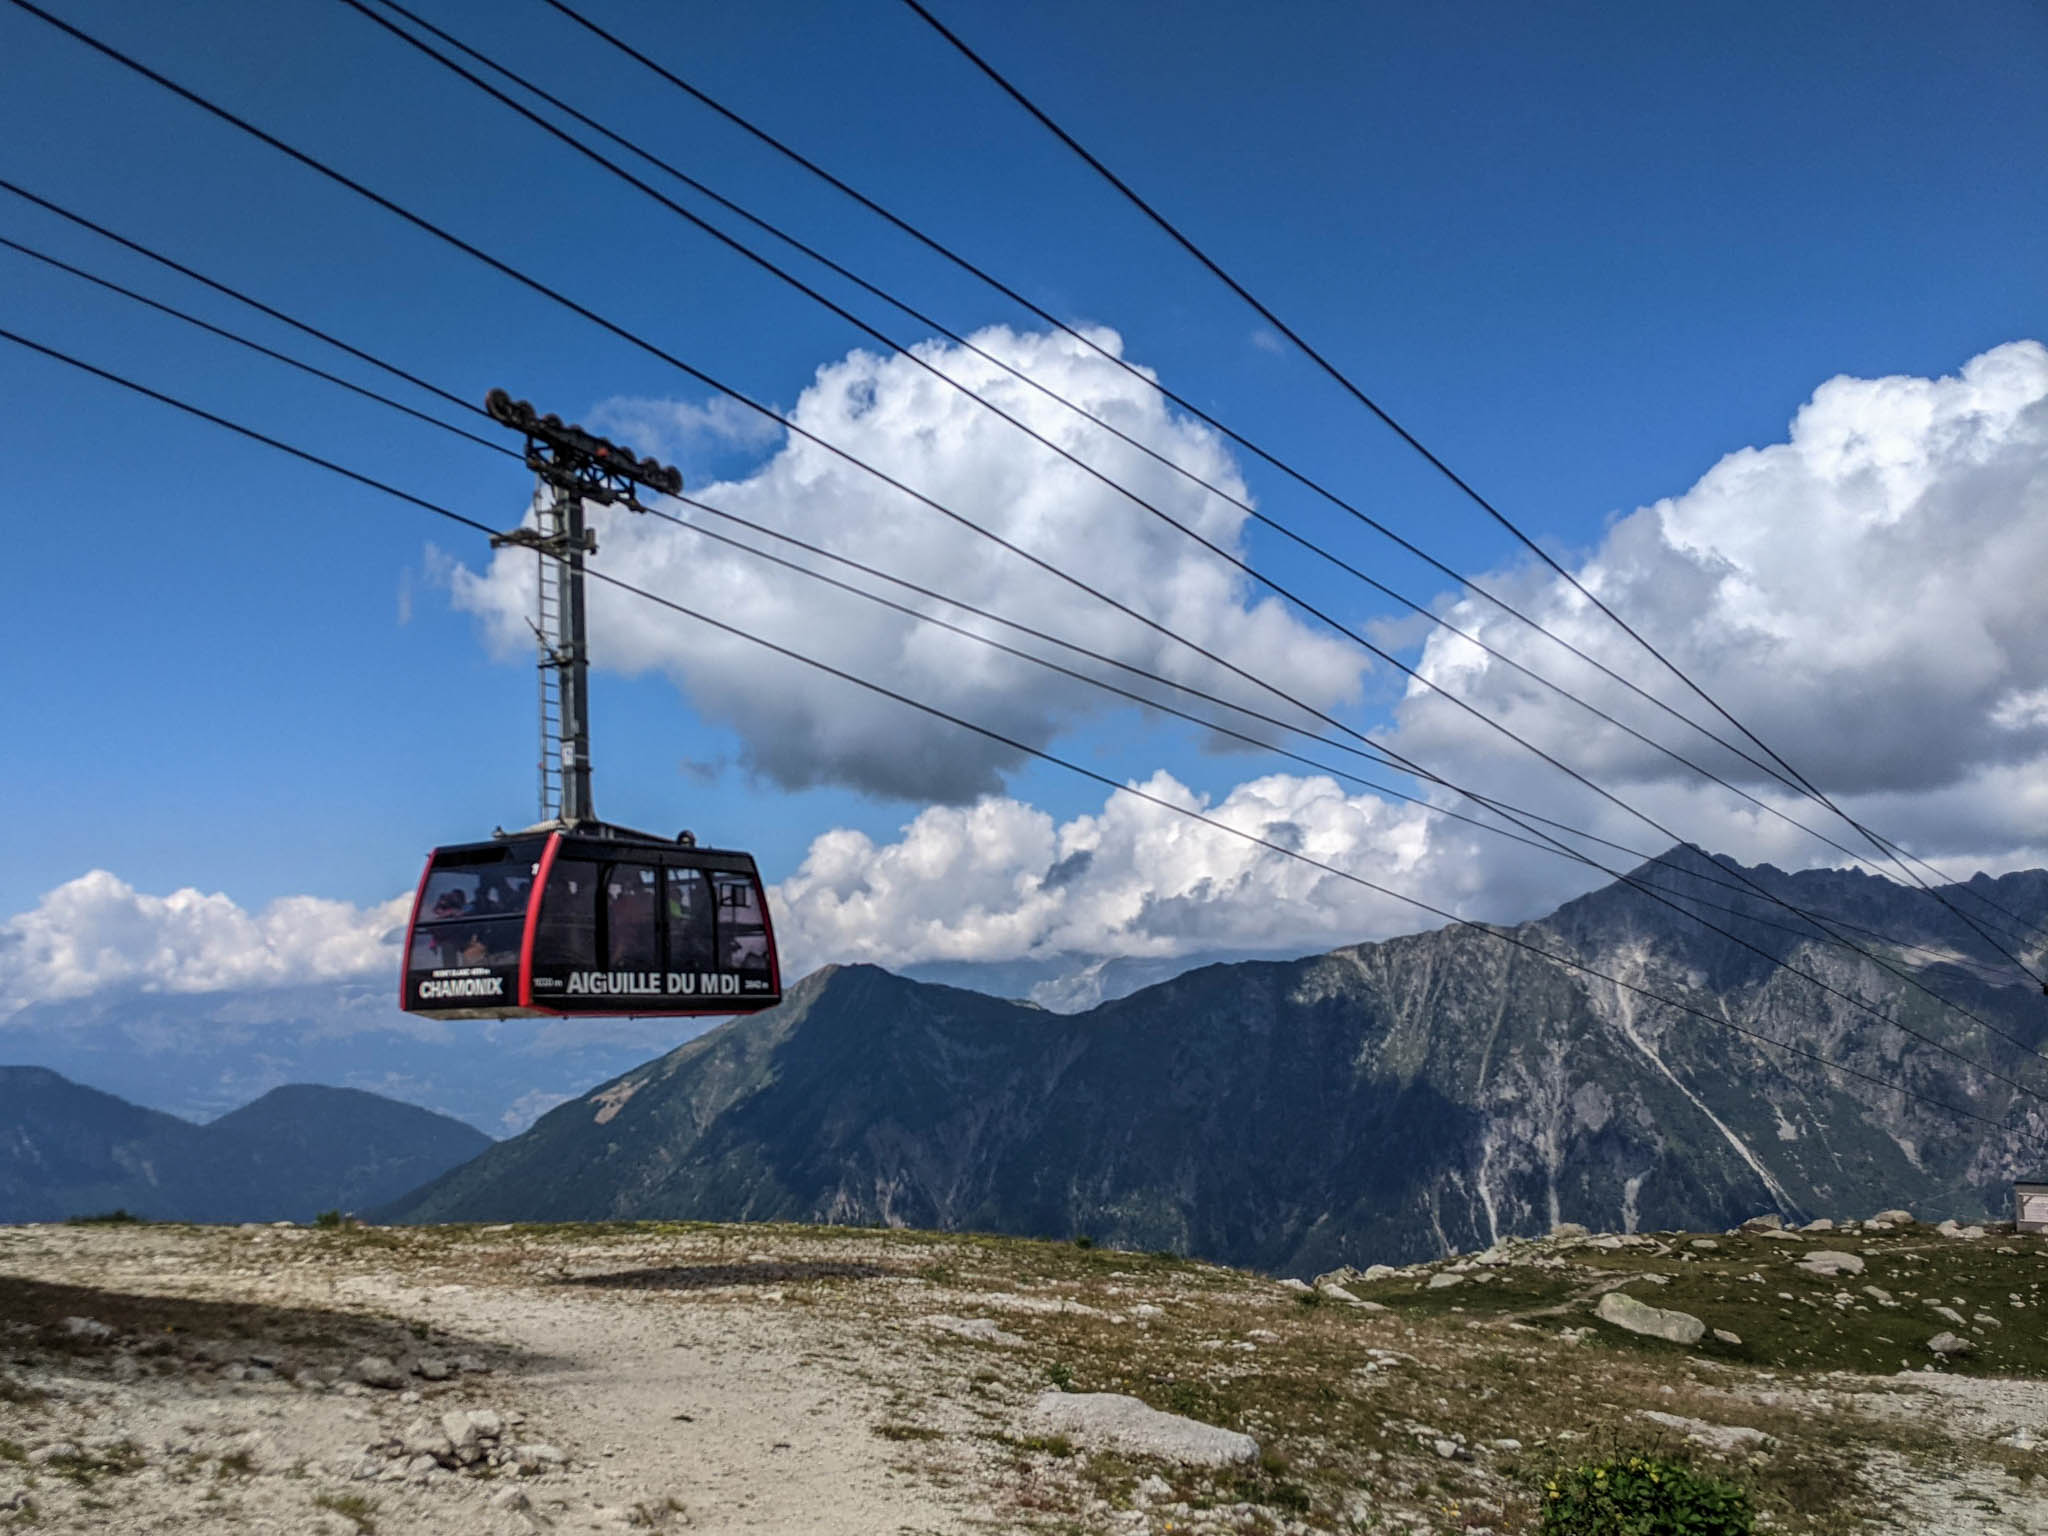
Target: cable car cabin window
630 901
467 942
567 936
692 944
481 882
742 936
455 894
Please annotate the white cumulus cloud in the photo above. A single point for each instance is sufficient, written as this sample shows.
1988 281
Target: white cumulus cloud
1001 881
1866 596
98 933
800 727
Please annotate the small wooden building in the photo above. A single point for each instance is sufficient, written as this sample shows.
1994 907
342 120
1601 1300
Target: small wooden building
2030 1204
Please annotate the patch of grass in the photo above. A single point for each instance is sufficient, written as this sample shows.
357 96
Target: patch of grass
1271 1490
1058 1446
1787 1317
10 1450
87 1467
1083 1240
235 1464
1649 1494
350 1506
333 1221
1061 1375
909 1432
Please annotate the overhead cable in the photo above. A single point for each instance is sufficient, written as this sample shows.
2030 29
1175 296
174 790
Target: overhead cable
641 342
1549 844
1421 609
1380 652
1412 441
254 346
1798 786
1016 296
329 339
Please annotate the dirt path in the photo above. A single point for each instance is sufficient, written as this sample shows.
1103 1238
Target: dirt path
696 1398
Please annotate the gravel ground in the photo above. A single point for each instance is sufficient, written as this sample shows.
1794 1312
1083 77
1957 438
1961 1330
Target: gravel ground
785 1379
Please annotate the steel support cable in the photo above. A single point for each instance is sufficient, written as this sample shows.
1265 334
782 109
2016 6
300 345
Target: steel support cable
641 342
1990 972
377 362
619 171
327 338
762 529
935 325
998 285
1465 487
1548 845
1396 758
1492 931
1142 700
253 346
242 298
634 339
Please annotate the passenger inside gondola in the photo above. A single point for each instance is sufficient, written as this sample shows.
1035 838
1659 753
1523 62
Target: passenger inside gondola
692 946
629 918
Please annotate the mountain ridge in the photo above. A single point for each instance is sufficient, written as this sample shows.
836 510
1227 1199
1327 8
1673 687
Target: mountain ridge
67 1150
1382 1101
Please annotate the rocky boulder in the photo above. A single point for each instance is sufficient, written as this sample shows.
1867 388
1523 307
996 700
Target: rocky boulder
1624 1311
1829 1261
1112 1422
378 1371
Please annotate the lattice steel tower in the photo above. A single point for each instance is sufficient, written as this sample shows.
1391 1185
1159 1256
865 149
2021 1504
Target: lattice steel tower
572 466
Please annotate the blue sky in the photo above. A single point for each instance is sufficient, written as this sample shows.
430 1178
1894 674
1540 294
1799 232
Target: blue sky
1584 251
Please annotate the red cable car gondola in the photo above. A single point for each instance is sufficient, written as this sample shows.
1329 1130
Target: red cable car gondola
588 920
574 915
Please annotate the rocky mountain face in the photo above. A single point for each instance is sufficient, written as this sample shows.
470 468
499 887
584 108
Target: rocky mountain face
1385 1102
68 1150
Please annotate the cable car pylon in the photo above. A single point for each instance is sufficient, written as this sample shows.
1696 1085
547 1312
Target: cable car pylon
571 465
574 915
